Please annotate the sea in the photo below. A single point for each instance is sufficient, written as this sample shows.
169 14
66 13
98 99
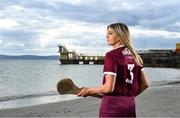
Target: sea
33 82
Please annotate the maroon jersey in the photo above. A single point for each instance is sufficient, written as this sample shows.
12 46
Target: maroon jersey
120 62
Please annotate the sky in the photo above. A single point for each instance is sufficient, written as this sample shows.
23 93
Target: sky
37 27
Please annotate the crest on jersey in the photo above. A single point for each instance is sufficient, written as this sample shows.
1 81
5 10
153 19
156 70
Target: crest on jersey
126 52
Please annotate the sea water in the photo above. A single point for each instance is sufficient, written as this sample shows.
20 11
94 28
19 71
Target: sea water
33 82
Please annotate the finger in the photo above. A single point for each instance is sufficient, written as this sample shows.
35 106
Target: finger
81 92
84 93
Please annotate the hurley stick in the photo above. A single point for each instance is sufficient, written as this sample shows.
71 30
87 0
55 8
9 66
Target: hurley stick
67 86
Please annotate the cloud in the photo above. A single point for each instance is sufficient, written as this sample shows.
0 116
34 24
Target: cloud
137 32
38 26
14 44
8 23
1 42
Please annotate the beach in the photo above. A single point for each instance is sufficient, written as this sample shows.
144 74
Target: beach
161 99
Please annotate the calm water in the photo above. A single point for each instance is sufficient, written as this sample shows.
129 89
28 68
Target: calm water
32 82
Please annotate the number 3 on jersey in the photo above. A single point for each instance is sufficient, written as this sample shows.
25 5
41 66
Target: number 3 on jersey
130 68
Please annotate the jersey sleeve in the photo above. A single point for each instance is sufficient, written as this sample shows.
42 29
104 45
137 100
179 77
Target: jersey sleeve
109 65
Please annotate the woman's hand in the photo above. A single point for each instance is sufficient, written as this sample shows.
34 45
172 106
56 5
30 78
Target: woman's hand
84 92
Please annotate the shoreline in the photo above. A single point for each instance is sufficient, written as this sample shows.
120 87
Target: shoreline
159 100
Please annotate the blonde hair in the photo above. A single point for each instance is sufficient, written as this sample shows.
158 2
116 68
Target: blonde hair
122 32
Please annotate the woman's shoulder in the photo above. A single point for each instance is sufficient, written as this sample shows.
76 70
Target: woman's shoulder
110 53
115 51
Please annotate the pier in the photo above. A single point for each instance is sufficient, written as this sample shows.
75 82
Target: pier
151 58
72 57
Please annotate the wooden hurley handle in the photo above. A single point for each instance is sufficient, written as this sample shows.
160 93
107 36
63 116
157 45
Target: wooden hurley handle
67 86
97 96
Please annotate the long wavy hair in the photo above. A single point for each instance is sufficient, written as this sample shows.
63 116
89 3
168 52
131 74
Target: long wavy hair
122 32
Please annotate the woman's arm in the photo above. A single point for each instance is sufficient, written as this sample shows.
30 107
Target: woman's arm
144 84
107 87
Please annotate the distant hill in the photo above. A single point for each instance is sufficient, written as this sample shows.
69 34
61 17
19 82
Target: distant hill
28 57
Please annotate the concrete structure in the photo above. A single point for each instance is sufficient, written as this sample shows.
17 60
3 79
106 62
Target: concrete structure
71 57
161 58
151 58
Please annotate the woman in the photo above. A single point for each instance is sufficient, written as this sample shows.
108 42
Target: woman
124 75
